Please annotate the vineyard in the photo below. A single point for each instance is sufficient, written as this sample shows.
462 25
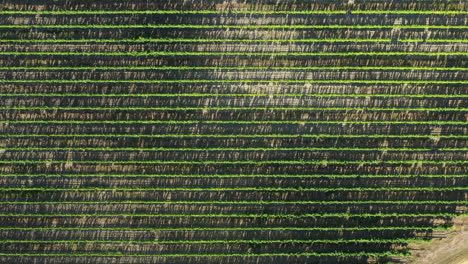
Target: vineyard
299 131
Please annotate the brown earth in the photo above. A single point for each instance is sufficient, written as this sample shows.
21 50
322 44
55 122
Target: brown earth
450 248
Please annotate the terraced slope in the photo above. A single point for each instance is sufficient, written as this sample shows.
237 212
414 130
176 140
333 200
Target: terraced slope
245 132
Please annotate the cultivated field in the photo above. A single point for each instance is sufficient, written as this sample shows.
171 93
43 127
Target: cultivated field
308 131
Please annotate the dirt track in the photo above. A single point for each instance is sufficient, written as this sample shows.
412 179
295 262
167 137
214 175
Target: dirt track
450 250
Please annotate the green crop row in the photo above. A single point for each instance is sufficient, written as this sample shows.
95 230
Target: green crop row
433 122
243 202
149 12
311 254
252 162
294 228
222 149
166 68
268 189
221 40
208 108
344 215
245 81
197 26
186 40
231 136
189 53
328 241
238 175
232 95
273 12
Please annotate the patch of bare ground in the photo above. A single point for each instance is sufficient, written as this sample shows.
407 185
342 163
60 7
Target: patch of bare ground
447 247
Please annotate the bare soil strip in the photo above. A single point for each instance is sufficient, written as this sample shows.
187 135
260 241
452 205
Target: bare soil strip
450 248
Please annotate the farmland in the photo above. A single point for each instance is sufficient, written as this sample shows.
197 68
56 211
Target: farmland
304 131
